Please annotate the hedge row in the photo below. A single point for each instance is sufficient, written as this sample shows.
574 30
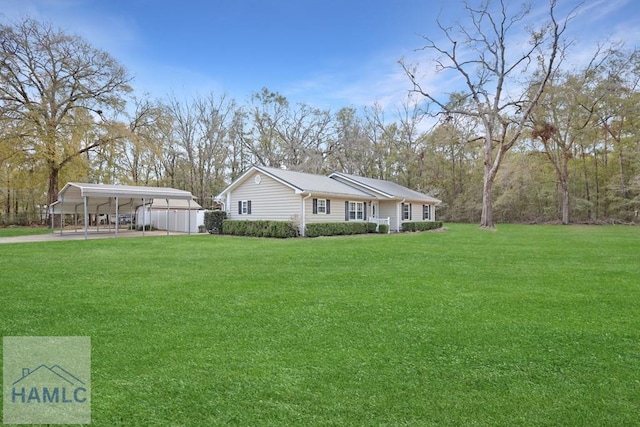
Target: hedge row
260 228
421 226
215 223
339 228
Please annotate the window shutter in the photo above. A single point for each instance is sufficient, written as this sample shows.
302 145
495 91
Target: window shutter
240 207
411 211
364 216
402 210
315 206
346 211
249 207
328 206
424 212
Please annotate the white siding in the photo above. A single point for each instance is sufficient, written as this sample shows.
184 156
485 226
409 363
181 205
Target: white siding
389 210
270 200
336 214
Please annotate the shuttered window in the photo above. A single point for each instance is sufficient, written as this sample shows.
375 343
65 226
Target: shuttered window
426 212
321 206
406 211
244 207
355 211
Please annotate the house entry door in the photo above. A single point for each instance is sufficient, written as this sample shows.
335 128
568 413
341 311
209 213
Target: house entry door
374 211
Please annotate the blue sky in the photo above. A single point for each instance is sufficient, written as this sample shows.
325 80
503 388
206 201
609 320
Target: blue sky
325 53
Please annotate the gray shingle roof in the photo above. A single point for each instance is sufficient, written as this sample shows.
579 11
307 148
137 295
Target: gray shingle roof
319 184
338 184
389 189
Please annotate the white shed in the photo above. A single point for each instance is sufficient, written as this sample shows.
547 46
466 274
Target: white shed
176 215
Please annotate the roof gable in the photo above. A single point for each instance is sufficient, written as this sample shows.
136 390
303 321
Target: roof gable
301 182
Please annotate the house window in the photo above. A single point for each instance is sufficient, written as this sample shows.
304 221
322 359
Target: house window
426 213
244 207
406 211
356 211
321 206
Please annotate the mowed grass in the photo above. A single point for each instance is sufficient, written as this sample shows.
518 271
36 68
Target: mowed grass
529 325
12 231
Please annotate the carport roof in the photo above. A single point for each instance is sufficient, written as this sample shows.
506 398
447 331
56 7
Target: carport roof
73 193
79 190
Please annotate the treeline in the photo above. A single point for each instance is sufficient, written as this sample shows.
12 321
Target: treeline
68 113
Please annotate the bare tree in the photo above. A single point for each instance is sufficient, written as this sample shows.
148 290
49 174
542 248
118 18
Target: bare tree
348 148
565 111
486 54
200 142
142 148
293 137
216 124
619 118
382 137
46 79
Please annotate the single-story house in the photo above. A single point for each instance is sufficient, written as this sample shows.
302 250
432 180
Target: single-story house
265 193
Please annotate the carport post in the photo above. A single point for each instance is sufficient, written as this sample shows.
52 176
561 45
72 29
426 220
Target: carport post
62 215
144 217
86 217
117 218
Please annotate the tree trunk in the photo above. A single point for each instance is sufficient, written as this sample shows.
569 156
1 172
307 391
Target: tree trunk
623 181
596 184
486 219
491 166
490 170
565 202
586 179
54 173
564 185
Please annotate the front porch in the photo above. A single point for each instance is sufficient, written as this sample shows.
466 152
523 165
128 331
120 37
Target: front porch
379 221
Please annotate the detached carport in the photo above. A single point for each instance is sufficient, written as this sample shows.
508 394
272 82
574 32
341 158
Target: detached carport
102 199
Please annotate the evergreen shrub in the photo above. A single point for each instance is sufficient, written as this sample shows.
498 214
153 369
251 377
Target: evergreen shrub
421 226
260 228
213 221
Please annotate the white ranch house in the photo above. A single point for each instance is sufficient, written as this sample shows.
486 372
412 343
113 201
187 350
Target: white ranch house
265 193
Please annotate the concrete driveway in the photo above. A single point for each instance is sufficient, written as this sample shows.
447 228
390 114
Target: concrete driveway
79 235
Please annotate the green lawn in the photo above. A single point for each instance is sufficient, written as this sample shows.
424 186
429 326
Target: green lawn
23 231
529 325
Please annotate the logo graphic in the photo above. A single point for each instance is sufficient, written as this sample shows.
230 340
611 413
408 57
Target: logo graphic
63 386
46 380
